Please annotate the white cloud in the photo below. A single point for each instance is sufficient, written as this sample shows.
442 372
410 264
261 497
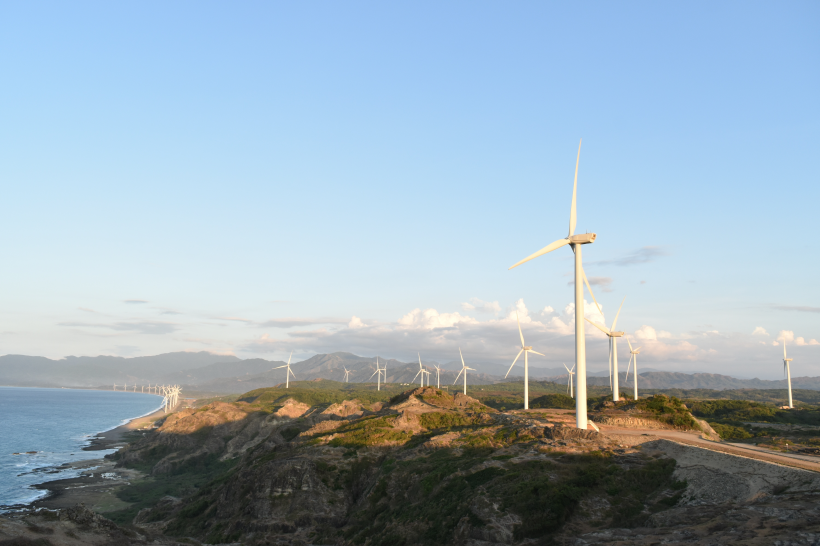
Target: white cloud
760 331
430 319
786 335
355 322
480 306
646 333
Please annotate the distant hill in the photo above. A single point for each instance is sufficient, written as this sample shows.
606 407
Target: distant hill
91 371
678 380
205 372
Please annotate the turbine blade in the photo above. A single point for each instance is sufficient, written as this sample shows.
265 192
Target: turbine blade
462 357
590 291
574 193
277 367
627 367
638 349
565 366
374 373
419 360
614 322
514 361
601 328
519 329
415 376
536 352
549 248
627 340
459 375
469 368
291 356
573 369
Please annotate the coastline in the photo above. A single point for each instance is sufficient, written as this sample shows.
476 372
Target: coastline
99 479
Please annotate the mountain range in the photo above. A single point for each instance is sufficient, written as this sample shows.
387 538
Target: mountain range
205 372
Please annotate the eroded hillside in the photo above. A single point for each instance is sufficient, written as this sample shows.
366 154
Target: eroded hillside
428 467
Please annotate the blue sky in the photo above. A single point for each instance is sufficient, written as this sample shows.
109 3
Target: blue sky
260 174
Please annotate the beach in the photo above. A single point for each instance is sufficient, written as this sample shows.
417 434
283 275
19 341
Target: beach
99 480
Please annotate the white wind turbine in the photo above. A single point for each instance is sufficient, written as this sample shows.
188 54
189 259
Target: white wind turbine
787 370
425 372
347 375
526 350
421 372
633 357
464 369
379 372
575 241
288 373
613 336
570 373
438 374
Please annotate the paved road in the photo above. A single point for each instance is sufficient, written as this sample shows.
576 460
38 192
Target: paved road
806 462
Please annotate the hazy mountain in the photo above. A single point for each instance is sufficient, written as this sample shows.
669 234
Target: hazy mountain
91 371
204 372
677 380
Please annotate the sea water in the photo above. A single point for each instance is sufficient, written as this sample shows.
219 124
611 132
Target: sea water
56 424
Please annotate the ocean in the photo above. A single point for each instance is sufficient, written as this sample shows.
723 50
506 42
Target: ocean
56 423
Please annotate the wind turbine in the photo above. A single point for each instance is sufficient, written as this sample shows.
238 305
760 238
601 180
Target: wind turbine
526 350
347 375
570 373
288 373
575 241
438 373
379 371
633 356
420 373
613 336
425 372
787 370
115 386
464 369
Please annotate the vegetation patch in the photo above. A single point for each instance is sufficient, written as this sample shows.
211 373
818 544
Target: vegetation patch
556 401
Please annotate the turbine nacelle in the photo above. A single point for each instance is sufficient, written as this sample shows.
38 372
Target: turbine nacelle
582 239
616 334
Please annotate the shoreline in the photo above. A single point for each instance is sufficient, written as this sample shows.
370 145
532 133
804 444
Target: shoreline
99 479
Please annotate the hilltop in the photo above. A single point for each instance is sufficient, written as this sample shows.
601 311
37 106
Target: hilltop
331 463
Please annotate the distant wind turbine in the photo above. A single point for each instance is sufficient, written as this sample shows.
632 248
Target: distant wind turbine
787 370
438 373
115 386
570 373
464 369
288 373
526 350
420 372
633 357
378 373
347 375
575 241
613 343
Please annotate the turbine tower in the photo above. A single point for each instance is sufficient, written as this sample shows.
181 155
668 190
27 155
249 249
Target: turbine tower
575 241
613 336
464 369
438 374
347 375
787 370
570 373
426 373
288 373
526 350
633 357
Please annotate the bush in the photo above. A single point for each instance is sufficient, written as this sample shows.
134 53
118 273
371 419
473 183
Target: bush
558 401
